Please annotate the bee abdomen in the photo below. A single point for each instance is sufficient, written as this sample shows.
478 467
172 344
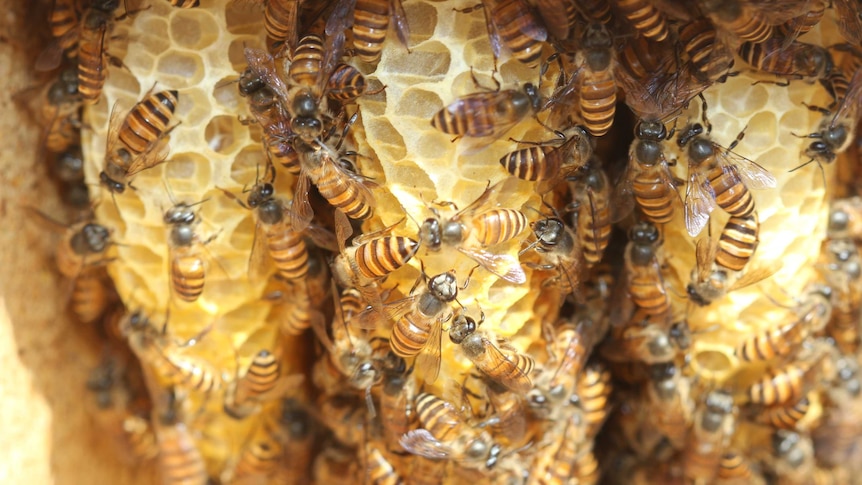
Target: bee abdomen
369 28
786 417
92 71
512 32
433 413
738 242
407 338
90 296
778 387
188 275
731 194
148 120
262 375
180 459
307 61
733 467
645 18
278 19
532 163
649 294
381 256
340 192
654 199
751 27
598 105
499 225
289 252
346 84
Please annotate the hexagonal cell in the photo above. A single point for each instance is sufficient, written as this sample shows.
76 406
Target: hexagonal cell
761 133
419 103
243 17
236 51
247 164
383 132
187 166
422 19
152 35
220 134
373 104
185 69
742 99
193 29
194 108
430 62
123 80
227 95
713 361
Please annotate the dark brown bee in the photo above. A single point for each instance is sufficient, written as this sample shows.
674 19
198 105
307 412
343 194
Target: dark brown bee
648 20
848 16
734 467
718 177
591 191
346 84
512 24
298 446
796 60
92 55
560 15
647 180
81 257
64 20
710 59
558 246
139 143
511 369
487 115
185 3
709 437
447 435
476 227
551 160
370 24
180 459
645 283
597 90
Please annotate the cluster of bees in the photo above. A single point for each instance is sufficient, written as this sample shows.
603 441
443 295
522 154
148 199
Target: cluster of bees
608 390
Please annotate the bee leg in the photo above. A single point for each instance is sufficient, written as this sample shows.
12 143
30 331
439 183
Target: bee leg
817 109
469 9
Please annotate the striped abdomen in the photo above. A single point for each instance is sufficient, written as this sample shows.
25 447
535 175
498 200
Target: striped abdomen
647 290
343 191
379 257
731 194
371 21
440 418
194 373
535 163
785 417
594 391
180 459
644 17
92 68
598 101
595 10
379 470
514 21
188 274
90 295
281 151
346 84
261 377
148 120
498 225
780 386
64 130
738 240
733 467
843 327
556 462
594 228
280 18
260 456
653 196
775 342
410 334
805 22
288 251
707 54
307 61
185 3
63 19
748 26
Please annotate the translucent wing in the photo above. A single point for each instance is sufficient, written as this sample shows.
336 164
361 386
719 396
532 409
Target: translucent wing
500 367
428 360
114 124
493 35
259 262
849 19
322 237
705 251
481 204
699 203
154 155
421 442
402 28
479 109
301 212
341 17
263 64
334 48
623 195
755 275
751 174
503 265
848 110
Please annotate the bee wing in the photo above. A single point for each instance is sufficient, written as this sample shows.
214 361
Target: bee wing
849 19
51 57
849 107
334 48
481 204
704 256
503 265
369 319
301 212
402 28
263 64
503 369
156 154
750 173
755 275
258 260
343 229
428 361
623 195
114 125
699 203
322 237
421 442
360 184
341 17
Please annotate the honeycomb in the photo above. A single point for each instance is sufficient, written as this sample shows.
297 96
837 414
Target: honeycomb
418 170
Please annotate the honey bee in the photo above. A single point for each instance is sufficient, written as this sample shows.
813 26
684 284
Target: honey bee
570 344
343 415
597 88
346 84
643 15
280 19
370 24
781 341
592 193
487 115
594 394
802 23
511 369
710 58
652 343
548 161
670 403
557 461
785 416
262 453
378 469
92 55
187 265
298 446
790 382
559 16
447 435
718 177
69 165
794 457
180 459
308 74
185 3
139 142
80 257
262 381
746 21
512 24
508 423
476 227
734 468
795 60
645 283
557 245
709 437
835 132
845 219
842 271
64 20
61 113
396 405
647 179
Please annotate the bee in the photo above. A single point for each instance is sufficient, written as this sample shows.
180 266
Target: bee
845 219
508 421
643 15
298 446
280 19
378 469
370 24
670 403
548 161
477 226
652 343
92 56
836 130
69 165
785 416
487 115
185 3
81 256
594 394
794 463
187 266
734 468
558 460
802 23
262 381
346 84
781 341
592 193
570 344
180 459
513 25
790 382
557 245
709 437
718 177
64 22
139 142
343 415
710 58
647 179
645 283
511 369
796 60
61 113
308 74
842 271
260 457
447 435
396 405
560 15
745 21
597 89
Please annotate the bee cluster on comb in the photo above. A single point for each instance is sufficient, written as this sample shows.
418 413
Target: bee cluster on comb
518 241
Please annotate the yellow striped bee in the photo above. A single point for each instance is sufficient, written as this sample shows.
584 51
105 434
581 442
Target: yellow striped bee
370 21
550 160
180 460
713 427
263 381
512 24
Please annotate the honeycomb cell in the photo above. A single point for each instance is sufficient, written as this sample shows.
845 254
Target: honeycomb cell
220 134
194 109
429 63
182 69
153 33
226 94
247 163
193 29
236 51
243 18
422 19
190 168
373 104
419 103
382 129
